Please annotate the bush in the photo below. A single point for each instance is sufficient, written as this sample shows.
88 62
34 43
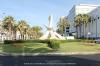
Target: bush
54 44
75 40
89 42
38 41
22 41
13 41
7 42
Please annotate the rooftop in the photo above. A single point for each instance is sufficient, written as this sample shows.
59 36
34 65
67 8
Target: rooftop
88 5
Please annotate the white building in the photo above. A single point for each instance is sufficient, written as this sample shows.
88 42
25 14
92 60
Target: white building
2 33
94 26
66 33
80 9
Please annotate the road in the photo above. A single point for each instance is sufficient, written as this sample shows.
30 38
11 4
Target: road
51 60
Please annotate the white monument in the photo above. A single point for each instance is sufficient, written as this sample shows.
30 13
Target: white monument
51 34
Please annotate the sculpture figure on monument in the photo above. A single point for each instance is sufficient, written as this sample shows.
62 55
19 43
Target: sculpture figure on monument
51 34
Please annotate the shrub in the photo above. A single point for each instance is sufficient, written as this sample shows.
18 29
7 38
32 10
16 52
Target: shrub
75 40
89 42
38 41
7 42
13 41
22 41
54 44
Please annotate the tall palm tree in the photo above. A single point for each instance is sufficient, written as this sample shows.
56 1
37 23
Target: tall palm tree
62 25
8 25
37 31
86 19
22 27
30 33
78 23
14 31
82 20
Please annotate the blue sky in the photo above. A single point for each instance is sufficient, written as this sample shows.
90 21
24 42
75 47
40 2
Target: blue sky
36 12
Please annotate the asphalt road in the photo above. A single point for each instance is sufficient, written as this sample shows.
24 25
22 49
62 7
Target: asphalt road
51 60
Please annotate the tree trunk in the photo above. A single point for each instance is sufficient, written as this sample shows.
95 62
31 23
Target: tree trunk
83 30
76 31
80 30
10 32
14 35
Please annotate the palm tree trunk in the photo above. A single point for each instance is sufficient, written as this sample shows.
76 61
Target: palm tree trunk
76 31
10 32
80 30
83 30
96 30
14 35
63 30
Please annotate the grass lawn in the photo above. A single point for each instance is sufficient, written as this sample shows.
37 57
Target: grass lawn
27 48
1 47
78 47
42 48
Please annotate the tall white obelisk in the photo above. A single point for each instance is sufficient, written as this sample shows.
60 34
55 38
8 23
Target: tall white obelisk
50 21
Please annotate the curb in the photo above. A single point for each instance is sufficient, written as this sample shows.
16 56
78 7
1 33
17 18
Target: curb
37 54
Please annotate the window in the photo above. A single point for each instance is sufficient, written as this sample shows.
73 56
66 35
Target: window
98 17
94 19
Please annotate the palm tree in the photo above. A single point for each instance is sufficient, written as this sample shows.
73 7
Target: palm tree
22 27
8 25
78 23
30 33
62 25
82 20
86 19
14 31
37 31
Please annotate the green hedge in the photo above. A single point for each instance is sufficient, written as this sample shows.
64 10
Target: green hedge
89 41
54 44
75 40
37 41
24 41
21 41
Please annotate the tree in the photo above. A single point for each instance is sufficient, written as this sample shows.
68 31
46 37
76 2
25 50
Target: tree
82 20
78 23
37 31
86 19
8 25
23 27
14 31
62 25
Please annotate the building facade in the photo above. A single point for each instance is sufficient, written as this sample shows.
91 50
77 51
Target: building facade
83 9
94 26
66 29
